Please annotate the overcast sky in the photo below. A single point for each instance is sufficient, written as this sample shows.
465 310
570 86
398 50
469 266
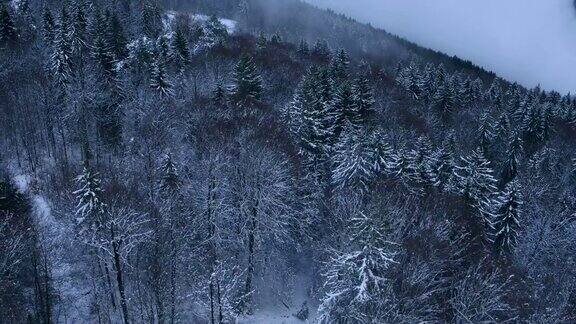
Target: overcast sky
529 41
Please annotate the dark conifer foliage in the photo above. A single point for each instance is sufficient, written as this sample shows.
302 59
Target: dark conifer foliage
227 161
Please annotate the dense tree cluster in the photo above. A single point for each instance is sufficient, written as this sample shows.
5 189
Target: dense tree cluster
202 162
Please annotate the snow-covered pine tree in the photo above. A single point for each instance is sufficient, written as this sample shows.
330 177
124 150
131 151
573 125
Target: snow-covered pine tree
443 99
116 37
303 48
151 19
353 161
321 51
420 162
356 278
475 181
339 66
8 33
180 49
79 27
343 110
276 39
261 42
214 31
465 93
90 206
426 82
443 165
100 48
506 221
48 26
383 156
486 134
247 81
219 95
159 79
513 158
169 179
62 50
363 101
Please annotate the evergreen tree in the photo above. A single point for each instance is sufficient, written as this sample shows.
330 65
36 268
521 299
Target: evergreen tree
419 162
101 50
466 94
486 134
514 154
276 39
303 48
475 181
180 49
79 27
8 33
214 31
506 221
443 165
321 51
62 51
48 26
443 99
356 278
339 66
343 110
90 205
261 43
170 180
115 36
354 161
151 19
247 81
159 80
363 101
219 95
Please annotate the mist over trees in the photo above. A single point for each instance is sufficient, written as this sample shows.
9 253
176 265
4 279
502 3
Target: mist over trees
219 161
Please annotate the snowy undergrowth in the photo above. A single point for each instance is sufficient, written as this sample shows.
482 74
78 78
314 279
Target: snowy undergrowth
56 242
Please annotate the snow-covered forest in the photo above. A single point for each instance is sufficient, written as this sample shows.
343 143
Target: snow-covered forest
265 161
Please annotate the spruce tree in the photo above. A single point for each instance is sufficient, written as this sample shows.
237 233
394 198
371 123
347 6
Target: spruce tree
214 31
90 206
475 181
79 27
443 99
116 37
261 43
170 181
513 158
321 51
159 79
151 19
356 276
180 49
343 110
247 81
339 66
48 26
363 101
354 161
8 33
420 162
62 50
506 221
303 48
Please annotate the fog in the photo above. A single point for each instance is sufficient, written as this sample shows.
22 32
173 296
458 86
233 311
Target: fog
529 41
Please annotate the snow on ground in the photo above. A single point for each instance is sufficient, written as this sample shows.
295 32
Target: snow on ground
170 18
55 240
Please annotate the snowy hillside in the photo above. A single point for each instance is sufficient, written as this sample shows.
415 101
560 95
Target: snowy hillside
529 41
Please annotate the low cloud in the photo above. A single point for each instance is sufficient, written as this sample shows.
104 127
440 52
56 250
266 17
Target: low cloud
529 41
